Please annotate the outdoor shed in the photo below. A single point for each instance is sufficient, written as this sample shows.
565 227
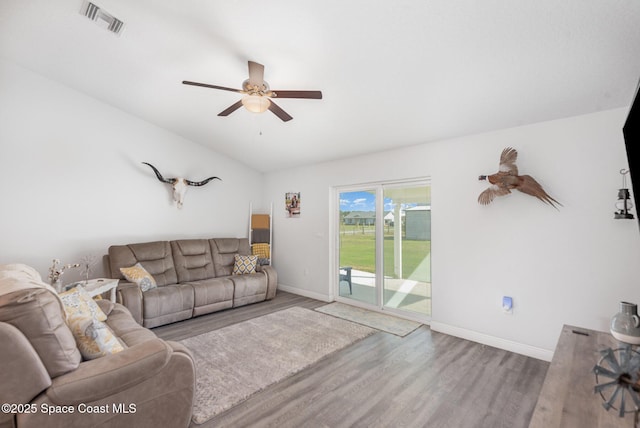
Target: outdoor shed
418 223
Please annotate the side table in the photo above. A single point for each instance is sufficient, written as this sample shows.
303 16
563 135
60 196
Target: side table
98 286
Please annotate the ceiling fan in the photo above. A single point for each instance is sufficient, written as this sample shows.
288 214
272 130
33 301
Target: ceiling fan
258 96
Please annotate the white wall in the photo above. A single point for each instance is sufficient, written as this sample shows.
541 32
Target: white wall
566 266
72 182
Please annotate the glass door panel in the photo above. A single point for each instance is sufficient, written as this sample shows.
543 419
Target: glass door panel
357 246
407 248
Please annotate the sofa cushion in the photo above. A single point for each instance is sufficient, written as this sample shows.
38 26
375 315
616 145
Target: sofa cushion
139 276
244 265
167 304
249 288
192 259
38 315
156 257
213 294
124 326
24 376
223 251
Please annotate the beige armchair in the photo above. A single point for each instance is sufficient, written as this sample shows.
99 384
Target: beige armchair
44 383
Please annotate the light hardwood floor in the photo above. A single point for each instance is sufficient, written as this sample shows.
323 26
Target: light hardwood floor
425 379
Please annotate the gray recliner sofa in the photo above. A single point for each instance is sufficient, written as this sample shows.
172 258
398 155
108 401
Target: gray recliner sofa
44 382
194 277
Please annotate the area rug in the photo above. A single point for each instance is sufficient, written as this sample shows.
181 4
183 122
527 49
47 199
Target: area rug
235 362
390 324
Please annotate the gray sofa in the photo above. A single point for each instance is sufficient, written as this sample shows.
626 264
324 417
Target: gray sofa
45 383
194 277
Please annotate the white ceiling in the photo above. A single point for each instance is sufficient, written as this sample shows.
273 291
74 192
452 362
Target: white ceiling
393 73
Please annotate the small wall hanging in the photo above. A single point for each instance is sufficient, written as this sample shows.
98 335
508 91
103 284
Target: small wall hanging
292 204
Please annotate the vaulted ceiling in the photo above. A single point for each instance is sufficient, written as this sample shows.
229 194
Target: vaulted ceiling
393 73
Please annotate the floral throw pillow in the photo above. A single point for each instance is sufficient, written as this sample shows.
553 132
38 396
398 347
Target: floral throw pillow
244 264
78 303
139 275
94 338
85 320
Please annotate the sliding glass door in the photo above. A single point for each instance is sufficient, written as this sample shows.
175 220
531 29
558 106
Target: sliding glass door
407 248
384 247
357 245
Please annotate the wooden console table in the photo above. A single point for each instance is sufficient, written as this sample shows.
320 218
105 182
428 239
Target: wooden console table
567 398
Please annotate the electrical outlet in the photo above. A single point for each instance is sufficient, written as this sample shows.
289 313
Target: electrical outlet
507 304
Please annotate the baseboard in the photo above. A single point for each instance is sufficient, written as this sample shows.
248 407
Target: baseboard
305 293
474 336
496 342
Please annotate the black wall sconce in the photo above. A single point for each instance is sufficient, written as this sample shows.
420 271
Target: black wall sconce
624 204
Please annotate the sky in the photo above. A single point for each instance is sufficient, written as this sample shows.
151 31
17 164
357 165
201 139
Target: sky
362 201
357 201
366 201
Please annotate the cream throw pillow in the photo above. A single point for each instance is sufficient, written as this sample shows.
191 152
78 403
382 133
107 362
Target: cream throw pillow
139 275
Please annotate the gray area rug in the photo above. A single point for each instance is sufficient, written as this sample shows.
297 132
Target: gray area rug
234 362
390 324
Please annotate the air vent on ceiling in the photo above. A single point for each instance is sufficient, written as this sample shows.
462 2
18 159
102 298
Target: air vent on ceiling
102 18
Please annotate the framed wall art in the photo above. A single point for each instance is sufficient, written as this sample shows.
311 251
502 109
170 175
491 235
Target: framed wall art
292 204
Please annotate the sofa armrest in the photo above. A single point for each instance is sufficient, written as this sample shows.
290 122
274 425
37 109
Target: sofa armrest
106 376
130 295
23 374
180 348
272 280
105 305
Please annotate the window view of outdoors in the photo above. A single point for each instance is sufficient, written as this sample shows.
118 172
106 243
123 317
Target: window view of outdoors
358 246
406 246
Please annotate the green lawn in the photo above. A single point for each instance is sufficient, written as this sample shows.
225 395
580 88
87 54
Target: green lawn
357 250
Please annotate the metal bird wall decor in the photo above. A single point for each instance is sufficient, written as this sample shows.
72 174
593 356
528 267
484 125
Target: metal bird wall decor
179 185
507 179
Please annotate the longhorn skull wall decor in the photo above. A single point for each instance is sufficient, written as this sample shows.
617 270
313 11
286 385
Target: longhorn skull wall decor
179 185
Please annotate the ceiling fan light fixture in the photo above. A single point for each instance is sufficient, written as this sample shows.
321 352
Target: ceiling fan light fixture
256 103
257 95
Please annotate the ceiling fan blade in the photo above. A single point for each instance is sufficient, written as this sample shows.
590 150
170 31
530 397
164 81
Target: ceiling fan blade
205 85
315 95
279 112
256 74
231 109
